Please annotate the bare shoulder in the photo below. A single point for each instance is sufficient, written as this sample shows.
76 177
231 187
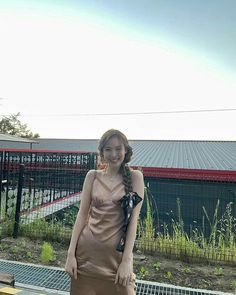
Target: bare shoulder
137 175
89 178
99 172
138 182
91 174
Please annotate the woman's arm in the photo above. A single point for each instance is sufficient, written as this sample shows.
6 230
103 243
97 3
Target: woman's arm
81 219
126 267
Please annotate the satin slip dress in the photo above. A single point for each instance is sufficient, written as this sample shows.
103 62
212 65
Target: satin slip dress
96 254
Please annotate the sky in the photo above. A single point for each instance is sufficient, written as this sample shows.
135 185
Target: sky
154 69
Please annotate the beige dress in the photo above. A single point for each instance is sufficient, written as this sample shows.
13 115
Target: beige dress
97 257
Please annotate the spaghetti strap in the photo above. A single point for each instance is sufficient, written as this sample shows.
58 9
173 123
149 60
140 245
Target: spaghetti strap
111 190
95 174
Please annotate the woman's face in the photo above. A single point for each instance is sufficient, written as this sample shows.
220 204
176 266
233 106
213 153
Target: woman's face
114 152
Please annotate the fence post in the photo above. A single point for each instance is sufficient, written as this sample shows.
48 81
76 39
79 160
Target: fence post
1 173
18 201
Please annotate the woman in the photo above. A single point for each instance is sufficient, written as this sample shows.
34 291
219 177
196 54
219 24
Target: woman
100 258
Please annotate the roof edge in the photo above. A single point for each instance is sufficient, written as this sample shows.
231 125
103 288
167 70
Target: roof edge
193 174
130 139
43 151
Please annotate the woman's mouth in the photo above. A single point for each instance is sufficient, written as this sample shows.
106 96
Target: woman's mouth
114 160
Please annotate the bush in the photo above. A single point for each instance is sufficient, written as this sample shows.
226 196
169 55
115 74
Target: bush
47 254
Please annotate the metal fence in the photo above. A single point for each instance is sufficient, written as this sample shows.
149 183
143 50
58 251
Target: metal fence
181 217
191 219
50 185
193 196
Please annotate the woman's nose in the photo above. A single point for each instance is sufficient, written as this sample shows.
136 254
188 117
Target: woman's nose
114 153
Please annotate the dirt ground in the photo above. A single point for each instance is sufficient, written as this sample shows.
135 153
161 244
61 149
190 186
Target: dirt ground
147 267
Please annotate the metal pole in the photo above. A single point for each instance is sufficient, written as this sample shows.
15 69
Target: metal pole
18 201
1 186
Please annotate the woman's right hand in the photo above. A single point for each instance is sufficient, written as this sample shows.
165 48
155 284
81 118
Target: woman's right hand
71 266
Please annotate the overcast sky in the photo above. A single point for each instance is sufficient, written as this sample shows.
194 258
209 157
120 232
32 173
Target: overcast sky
73 68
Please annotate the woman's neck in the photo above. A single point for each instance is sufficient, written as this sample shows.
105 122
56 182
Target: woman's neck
112 171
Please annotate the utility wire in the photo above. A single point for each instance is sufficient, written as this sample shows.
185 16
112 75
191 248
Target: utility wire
128 114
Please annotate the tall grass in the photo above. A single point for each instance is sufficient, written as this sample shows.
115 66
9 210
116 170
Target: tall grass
146 229
42 229
56 227
218 245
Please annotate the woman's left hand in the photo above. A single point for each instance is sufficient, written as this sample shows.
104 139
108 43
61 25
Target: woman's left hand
124 273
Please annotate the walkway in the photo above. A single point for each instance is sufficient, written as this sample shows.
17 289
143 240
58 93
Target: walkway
37 279
50 208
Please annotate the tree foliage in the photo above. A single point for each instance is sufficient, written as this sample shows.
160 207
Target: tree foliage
12 125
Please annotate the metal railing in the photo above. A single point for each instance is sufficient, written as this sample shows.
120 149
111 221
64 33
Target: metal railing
201 210
36 186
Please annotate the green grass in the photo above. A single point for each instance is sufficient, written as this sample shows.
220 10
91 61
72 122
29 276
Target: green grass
47 253
57 227
219 246
46 230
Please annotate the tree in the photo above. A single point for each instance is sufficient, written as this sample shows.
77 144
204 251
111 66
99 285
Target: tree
12 125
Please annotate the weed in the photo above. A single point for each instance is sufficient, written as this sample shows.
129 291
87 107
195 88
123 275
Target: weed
16 250
3 246
143 273
218 271
29 254
22 244
169 275
186 270
47 253
233 284
157 265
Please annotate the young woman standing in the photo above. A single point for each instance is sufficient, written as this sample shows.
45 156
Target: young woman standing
100 255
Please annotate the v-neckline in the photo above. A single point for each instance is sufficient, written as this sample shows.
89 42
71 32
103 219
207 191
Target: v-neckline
111 190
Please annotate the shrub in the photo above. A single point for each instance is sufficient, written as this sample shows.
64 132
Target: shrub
47 253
